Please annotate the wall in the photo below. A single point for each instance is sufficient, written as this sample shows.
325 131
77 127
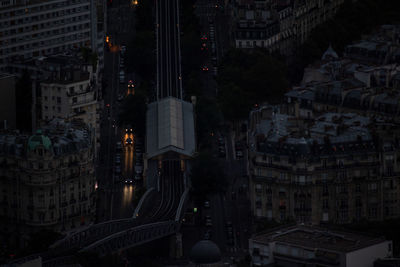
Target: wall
365 257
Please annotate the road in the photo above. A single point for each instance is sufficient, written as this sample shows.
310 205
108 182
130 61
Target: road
114 198
234 204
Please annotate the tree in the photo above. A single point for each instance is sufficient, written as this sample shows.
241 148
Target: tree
140 57
207 175
208 118
23 89
248 78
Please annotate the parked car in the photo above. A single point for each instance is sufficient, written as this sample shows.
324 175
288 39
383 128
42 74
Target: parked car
117 169
207 234
207 204
138 176
239 154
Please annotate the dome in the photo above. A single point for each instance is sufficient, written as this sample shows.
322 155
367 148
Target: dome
330 54
205 252
38 139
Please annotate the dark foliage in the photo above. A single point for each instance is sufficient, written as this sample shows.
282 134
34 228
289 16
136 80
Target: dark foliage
207 175
249 78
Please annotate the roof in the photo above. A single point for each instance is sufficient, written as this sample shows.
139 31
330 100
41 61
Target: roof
205 252
330 53
313 237
37 140
170 127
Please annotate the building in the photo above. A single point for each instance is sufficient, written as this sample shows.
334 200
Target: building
65 86
8 111
47 180
336 167
313 246
279 24
44 27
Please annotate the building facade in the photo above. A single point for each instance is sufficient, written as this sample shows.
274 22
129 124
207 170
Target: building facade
336 168
297 246
47 180
279 25
44 27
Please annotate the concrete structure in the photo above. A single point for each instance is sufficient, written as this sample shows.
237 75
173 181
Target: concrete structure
47 180
43 27
333 168
7 101
312 246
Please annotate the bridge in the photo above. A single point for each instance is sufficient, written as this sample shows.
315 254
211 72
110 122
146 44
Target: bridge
170 144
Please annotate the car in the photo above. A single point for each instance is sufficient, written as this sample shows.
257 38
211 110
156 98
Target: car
209 222
128 180
203 37
239 154
123 49
128 129
138 176
119 145
117 160
207 234
221 140
138 149
138 169
120 97
207 204
215 71
117 169
204 68
129 141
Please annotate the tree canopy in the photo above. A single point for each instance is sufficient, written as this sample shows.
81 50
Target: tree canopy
247 78
207 175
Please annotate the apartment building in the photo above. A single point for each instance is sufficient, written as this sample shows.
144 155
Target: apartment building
300 245
47 180
44 27
69 89
279 24
336 167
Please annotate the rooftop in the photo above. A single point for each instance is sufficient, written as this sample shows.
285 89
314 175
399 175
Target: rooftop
62 137
313 237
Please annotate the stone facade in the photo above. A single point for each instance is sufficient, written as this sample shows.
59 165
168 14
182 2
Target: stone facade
338 167
47 180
